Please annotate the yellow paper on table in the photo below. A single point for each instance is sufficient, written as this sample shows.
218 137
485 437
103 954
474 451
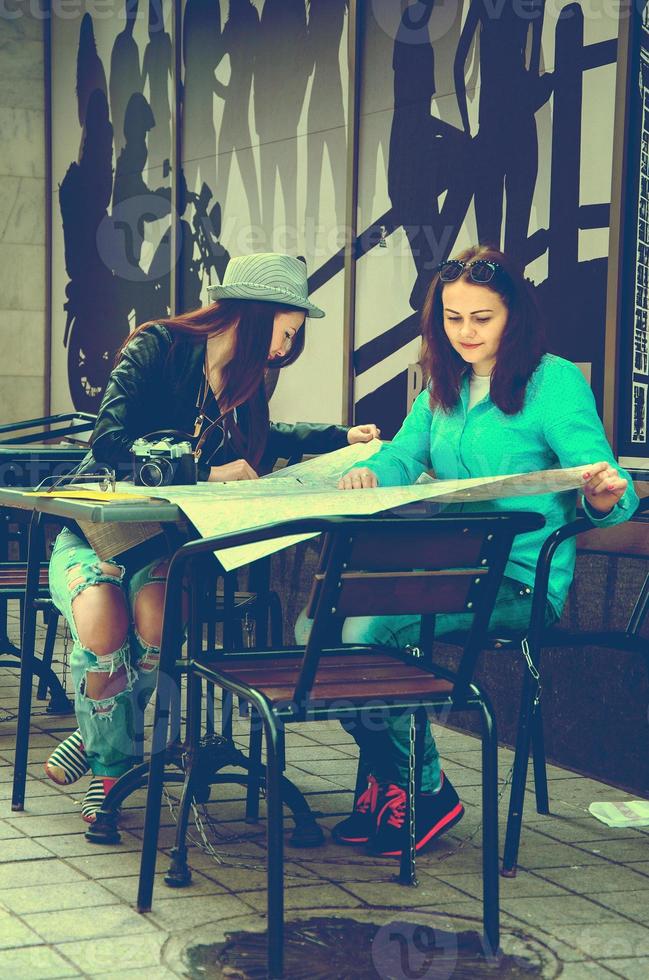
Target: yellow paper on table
100 495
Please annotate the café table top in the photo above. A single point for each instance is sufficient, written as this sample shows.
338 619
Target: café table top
160 511
138 510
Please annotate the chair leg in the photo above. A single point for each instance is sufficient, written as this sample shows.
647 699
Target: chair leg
490 899
226 714
48 652
167 692
276 620
281 749
210 708
153 804
407 868
640 610
28 639
254 770
179 874
275 838
361 778
210 691
517 794
538 761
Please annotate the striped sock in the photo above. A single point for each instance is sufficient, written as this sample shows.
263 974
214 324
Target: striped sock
68 762
97 792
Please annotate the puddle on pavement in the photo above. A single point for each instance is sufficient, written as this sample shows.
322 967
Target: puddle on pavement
332 948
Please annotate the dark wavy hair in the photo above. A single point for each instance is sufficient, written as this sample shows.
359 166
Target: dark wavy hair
243 376
521 348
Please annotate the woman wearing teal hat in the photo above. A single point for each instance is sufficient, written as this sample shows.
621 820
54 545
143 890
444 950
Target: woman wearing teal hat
202 374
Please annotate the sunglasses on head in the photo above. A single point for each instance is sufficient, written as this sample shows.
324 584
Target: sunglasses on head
480 271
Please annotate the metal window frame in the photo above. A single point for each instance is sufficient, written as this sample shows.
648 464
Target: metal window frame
354 51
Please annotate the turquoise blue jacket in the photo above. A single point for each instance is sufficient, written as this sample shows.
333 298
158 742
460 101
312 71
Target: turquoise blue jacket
558 426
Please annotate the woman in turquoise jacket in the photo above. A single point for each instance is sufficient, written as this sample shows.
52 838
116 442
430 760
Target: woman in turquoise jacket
496 403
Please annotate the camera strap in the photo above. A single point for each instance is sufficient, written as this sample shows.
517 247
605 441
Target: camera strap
202 399
208 431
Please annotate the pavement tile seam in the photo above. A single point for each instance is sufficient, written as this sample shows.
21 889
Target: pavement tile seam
580 846
332 747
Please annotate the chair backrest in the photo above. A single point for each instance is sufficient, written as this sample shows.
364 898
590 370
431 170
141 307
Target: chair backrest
390 566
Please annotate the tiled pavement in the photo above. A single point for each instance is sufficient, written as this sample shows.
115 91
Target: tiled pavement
579 905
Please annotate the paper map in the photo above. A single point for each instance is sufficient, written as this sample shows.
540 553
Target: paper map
309 490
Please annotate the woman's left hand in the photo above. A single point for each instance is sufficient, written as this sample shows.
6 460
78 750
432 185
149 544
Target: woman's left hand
362 433
603 487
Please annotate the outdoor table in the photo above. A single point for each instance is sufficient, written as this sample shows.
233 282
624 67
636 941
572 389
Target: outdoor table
165 513
218 750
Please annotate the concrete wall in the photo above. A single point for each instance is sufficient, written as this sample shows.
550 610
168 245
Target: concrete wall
22 225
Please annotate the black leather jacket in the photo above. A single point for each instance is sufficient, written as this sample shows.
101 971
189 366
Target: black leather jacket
155 386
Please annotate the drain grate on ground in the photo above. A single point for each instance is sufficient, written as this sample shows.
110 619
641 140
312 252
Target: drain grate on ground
332 948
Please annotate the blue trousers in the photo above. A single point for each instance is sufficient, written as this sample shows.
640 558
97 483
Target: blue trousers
112 728
384 743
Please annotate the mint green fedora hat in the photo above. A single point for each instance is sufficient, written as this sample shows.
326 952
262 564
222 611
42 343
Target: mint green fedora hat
268 277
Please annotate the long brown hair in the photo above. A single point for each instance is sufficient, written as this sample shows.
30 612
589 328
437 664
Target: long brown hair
243 376
521 345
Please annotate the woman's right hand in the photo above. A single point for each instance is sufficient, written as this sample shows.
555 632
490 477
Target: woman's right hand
238 470
358 479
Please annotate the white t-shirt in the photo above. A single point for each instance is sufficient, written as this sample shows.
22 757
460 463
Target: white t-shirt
478 387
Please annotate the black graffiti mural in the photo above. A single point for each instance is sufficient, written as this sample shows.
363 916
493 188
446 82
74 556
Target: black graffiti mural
119 189
427 157
96 321
115 200
241 38
455 105
494 168
326 138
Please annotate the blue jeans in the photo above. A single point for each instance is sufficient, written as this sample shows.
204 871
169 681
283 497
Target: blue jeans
112 728
384 747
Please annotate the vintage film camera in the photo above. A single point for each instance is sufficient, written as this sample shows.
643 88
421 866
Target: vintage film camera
163 462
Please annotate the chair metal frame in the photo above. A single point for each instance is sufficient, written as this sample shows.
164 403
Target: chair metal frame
87 423
13 574
13 579
529 734
530 723
488 535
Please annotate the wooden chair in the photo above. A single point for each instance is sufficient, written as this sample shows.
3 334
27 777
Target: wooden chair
628 540
13 579
31 450
374 566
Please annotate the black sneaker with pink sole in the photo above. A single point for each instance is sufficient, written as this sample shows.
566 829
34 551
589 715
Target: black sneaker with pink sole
435 814
360 825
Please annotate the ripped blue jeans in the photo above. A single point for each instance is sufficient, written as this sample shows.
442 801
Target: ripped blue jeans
112 727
